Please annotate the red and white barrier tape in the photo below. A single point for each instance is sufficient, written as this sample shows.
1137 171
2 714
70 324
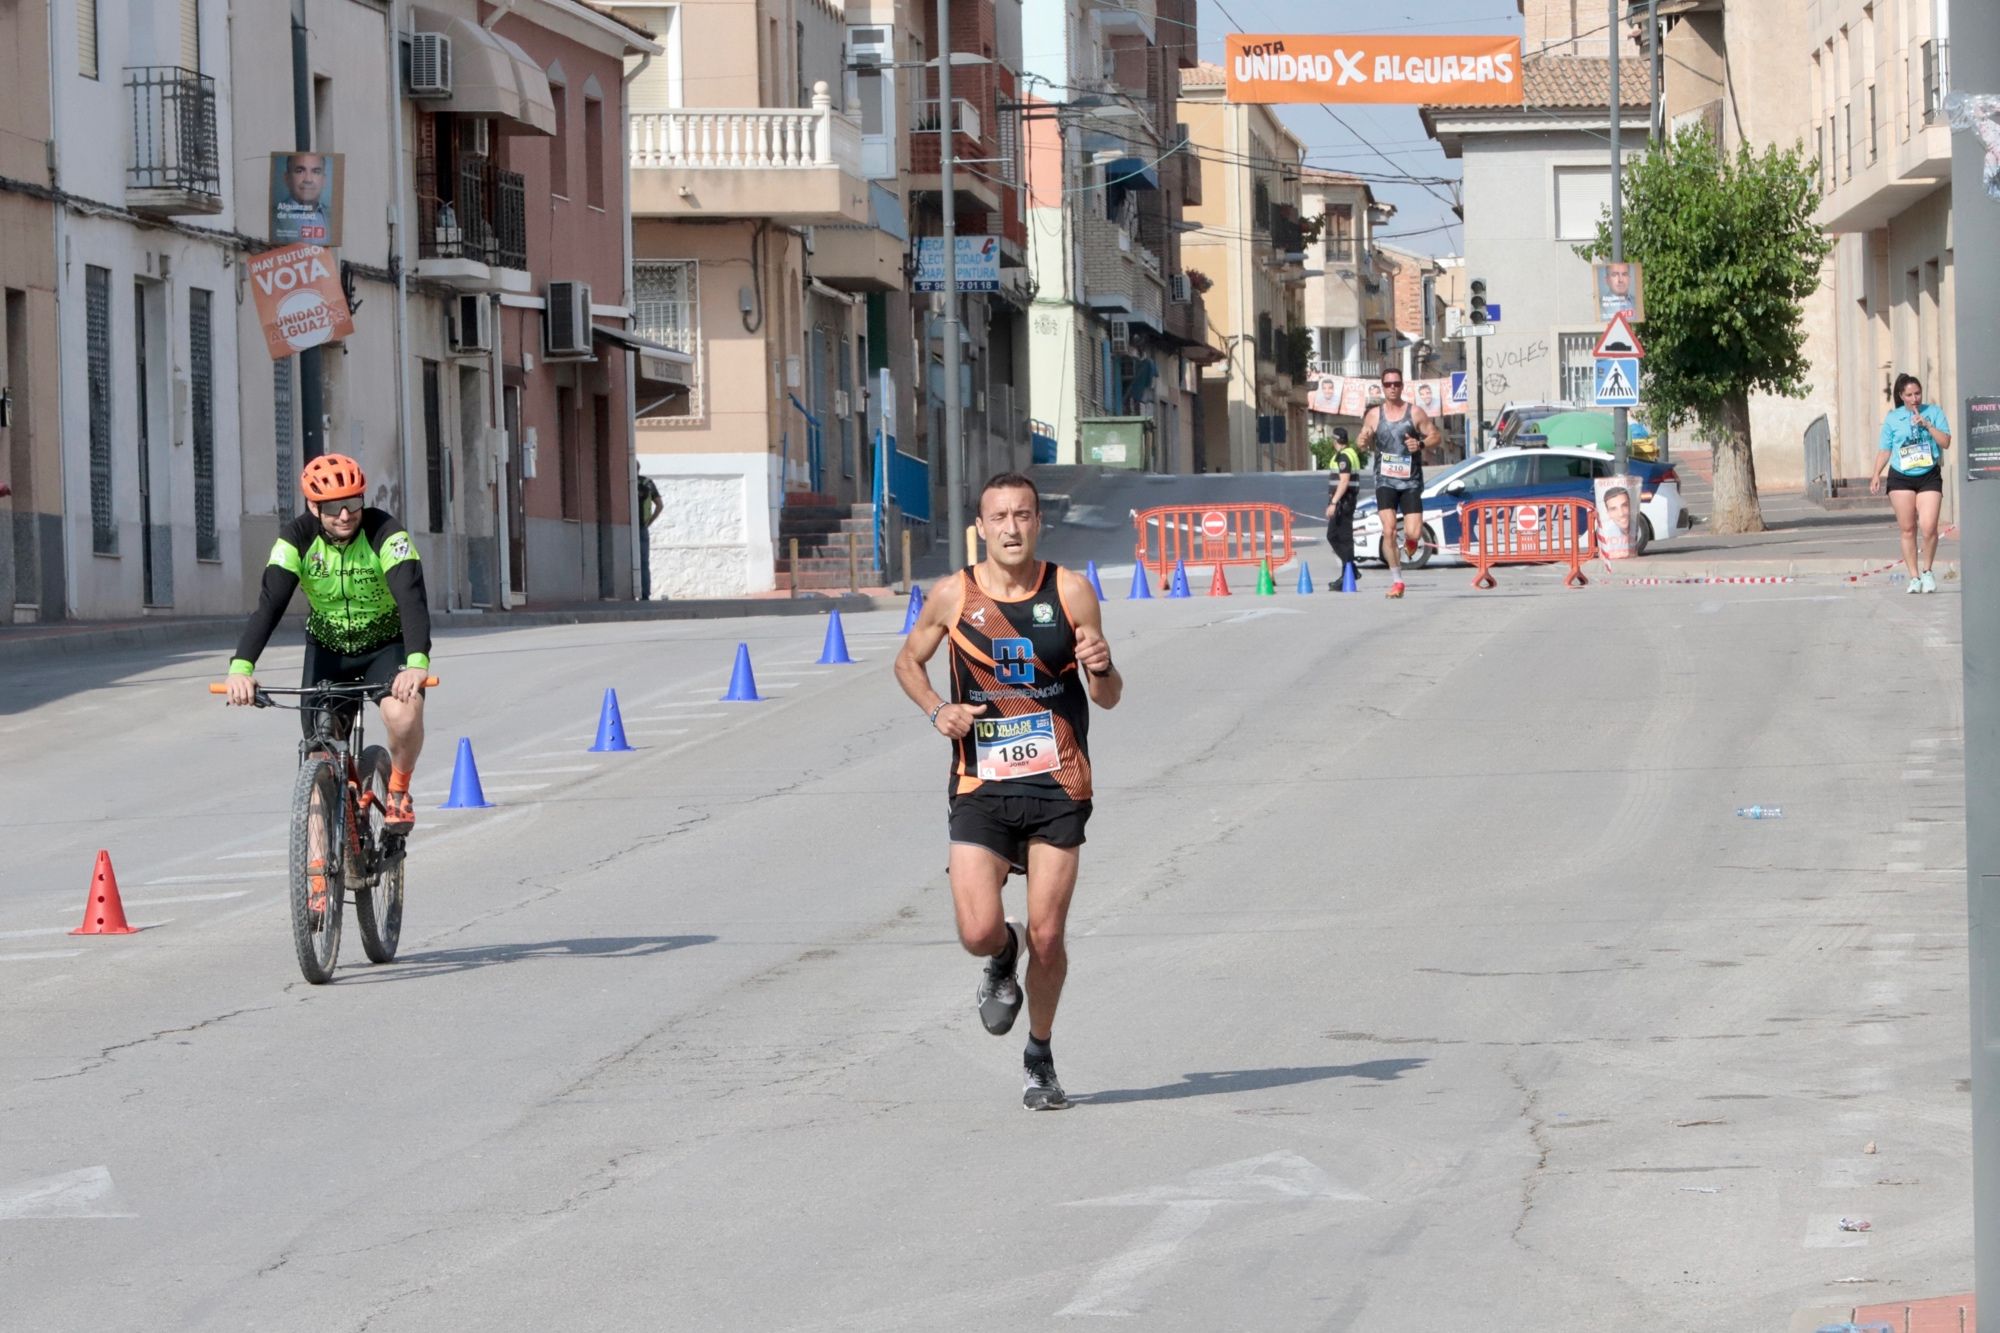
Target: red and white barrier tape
1720 578
1871 573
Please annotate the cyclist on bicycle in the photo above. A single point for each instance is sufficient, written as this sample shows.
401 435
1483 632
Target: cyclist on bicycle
367 621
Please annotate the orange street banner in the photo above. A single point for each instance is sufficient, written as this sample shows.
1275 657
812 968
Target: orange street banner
1415 71
299 301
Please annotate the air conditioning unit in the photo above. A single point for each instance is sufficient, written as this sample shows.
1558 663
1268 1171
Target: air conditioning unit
430 65
1179 290
471 325
841 406
1121 332
566 321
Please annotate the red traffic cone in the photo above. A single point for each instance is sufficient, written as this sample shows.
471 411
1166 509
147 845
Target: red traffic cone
1218 586
103 913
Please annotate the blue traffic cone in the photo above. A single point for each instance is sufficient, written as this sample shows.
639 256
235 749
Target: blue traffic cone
466 793
610 727
1179 587
1347 578
742 684
916 608
1096 584
1142 586
835 651
1305 578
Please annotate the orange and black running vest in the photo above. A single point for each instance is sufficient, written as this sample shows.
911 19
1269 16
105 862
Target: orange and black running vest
1019 659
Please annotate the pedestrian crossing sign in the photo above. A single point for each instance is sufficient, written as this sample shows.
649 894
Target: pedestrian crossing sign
1459 396
1617 382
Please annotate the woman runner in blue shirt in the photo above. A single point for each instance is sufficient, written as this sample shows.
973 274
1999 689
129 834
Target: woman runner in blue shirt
1914 438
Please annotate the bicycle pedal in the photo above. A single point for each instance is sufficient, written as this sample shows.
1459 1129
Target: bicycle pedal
395 848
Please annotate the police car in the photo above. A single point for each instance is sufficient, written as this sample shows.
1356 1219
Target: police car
1521 474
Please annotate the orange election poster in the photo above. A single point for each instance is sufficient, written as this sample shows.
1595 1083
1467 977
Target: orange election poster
1415 71
299 301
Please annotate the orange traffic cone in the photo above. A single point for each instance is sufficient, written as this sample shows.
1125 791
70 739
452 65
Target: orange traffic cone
1218 586
103 913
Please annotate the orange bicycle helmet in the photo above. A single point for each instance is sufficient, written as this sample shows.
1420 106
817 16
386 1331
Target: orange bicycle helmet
332 477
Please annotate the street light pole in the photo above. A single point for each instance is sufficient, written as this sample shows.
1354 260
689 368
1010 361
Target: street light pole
1621 419
1975 221
312 411
954 420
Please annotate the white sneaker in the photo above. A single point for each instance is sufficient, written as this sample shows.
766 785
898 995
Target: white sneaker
1916 585
1929 581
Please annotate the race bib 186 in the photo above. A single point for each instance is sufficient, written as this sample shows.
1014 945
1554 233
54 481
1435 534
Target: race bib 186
1015 747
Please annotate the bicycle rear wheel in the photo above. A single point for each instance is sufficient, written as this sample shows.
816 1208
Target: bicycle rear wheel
315 867
379 909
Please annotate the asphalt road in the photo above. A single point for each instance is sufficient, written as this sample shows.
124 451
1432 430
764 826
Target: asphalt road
1421 979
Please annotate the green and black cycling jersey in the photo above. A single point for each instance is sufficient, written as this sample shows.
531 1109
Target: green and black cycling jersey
360 597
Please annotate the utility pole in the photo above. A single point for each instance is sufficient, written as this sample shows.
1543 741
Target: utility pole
954 419
1656 127
1621 418
1975 220
312 411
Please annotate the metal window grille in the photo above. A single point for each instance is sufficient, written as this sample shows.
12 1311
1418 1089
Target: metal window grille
201 402
174 144
284 429
434 445
97 335
1937 79
1008 132
1579 367
666 309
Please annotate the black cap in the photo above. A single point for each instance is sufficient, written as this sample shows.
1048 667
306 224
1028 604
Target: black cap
1340 434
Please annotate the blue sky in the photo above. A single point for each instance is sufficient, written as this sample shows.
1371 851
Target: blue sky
1340 140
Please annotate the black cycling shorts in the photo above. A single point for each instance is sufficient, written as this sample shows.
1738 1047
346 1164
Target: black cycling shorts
1929 481
376 666
1004 823
1389 501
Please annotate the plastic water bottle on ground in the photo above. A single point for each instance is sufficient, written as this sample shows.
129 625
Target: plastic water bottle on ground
1761 812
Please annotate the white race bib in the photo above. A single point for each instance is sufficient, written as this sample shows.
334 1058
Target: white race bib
1396 467
1015 747
1914 456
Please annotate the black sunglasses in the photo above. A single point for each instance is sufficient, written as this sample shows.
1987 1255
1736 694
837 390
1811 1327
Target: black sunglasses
351 505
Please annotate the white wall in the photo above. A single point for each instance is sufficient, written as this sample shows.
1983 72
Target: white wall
715 536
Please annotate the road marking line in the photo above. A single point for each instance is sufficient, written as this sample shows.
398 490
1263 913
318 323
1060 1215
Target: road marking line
46 953
537 772
140 900
169 880
692 703
73 1194
251 856
37 930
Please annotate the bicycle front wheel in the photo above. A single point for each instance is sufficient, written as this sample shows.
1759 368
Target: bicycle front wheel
379 908
315 857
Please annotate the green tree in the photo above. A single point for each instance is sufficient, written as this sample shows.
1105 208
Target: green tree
1730 250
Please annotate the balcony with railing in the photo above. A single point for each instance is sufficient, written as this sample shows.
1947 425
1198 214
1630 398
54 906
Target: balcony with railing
472 225
971 141
1121 276
1871 176
794 165
176 164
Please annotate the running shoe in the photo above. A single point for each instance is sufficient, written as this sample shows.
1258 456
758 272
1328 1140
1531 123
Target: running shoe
399 812
1395 589
1039 1089
1916 585
999 993
1929 580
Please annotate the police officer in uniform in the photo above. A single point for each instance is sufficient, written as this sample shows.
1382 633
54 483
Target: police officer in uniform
1345 492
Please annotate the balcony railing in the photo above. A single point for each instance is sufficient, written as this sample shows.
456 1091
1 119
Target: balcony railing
174 147
746 138
478 212
925 119
1937 78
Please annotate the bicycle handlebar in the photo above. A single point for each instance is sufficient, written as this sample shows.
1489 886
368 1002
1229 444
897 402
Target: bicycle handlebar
357 690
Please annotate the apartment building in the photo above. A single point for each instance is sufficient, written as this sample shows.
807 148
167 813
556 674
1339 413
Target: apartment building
32 564
1248 245
1119 327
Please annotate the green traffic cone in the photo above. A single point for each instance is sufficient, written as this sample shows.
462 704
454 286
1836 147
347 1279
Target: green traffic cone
1266 587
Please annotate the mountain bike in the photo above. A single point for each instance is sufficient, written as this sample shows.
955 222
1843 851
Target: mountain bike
338 846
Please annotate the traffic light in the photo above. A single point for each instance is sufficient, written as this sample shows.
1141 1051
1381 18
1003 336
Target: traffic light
1479 301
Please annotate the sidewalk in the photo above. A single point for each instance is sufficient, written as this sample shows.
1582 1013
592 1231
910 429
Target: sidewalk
1801 539
50 639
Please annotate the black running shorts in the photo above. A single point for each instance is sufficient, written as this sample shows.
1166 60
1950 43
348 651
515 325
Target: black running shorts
1004 823
376 666
1389 501
1927 481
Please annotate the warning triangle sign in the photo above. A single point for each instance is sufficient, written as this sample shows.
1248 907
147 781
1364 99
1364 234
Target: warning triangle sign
1618 339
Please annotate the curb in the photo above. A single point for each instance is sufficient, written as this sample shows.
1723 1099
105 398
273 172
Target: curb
1736 571
70 638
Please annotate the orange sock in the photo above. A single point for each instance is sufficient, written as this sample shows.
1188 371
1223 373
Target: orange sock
398 779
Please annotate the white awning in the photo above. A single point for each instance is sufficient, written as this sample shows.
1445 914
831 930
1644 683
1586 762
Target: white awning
658 364
491 76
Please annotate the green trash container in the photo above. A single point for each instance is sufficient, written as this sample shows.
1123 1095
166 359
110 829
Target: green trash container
1121 442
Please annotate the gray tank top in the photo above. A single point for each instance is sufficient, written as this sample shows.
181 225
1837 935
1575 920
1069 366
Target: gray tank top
1396 467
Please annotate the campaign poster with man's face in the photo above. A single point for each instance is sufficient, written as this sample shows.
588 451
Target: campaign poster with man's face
1617 516
305 198
1620 290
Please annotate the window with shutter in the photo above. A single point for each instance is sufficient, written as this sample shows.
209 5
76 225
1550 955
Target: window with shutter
97 374
201 393
191 35
86 38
